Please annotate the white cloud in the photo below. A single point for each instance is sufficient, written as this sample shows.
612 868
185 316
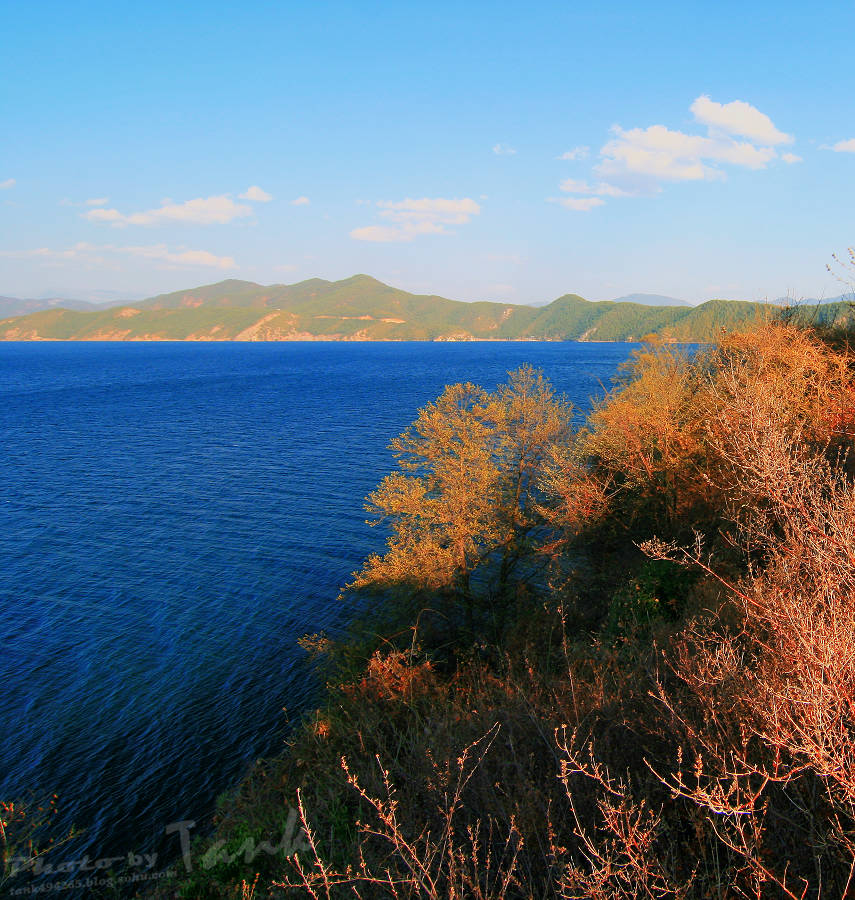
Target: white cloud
257 194
503 150
637 161
218 210
8 183
664 155
739 118
412 218
580 204
575 153
300 201
93 254
839 147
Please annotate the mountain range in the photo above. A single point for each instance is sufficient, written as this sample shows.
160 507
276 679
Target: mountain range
364 309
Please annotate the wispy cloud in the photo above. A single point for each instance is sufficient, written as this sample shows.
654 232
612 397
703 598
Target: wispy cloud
194 258
575 153
515 259
8 183
93 201
257 194
601 189
74 252
219 210
580 204
791 158
502 290
381 234
97 255
411 218
590 195
300 201
503 150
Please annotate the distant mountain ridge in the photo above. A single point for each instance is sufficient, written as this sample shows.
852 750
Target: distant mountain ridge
651 300
361 308
13 306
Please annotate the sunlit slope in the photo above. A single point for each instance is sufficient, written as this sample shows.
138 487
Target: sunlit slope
362 308
130 323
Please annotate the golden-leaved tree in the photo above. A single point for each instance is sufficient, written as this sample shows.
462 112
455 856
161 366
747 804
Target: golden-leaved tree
463 508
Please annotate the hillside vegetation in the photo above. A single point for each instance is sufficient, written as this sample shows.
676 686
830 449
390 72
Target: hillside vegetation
363 309
614 662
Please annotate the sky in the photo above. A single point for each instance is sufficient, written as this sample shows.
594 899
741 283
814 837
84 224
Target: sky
479 150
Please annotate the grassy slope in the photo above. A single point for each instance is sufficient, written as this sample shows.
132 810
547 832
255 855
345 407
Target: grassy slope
356 308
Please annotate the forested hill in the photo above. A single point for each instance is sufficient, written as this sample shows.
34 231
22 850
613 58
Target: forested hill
364 309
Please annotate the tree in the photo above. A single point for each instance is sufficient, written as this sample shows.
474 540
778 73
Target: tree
463 507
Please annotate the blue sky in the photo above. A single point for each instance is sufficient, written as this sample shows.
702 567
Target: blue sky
152 147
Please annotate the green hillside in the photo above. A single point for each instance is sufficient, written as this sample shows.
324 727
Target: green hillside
364 309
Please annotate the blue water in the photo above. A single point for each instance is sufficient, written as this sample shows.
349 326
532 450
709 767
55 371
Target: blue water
173 517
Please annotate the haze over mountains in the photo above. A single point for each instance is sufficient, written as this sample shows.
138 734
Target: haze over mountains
13 306
361 308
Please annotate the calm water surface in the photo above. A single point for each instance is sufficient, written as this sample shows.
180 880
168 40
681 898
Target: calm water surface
172 518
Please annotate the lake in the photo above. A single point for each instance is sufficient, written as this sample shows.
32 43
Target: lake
173 517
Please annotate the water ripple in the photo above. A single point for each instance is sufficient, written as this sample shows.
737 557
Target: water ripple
172 518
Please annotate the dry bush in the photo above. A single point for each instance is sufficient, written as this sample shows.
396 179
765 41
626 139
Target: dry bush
774 748
441 862
759 700
645 436
657 455
711 756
